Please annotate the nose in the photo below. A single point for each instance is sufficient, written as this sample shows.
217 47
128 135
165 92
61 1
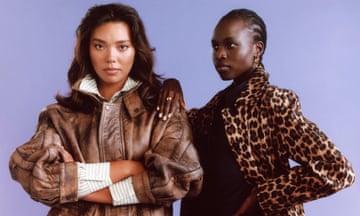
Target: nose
220 53
111 55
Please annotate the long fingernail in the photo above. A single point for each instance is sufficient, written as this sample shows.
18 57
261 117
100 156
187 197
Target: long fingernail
160 115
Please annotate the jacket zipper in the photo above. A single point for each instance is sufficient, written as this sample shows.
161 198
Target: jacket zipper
121 133
101 133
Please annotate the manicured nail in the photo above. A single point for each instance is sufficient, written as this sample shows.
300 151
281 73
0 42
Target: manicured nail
157 108
160 115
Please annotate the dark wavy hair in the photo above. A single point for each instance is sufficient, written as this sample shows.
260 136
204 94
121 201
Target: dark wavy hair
142 69
254 22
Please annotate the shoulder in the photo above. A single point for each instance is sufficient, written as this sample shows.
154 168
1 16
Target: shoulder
55 112
57 108
213 102
275 96
205 112
135 103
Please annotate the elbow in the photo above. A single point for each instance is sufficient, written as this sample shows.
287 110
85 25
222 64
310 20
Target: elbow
345 174
347 177
195 185
41 192
179 187
342 177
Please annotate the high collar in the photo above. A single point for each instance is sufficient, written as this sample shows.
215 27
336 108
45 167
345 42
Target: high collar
94 102
88 85
254 87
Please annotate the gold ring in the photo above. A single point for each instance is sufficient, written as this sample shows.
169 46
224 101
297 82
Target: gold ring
168 98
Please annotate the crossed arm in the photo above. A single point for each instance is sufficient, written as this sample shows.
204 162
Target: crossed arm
119 170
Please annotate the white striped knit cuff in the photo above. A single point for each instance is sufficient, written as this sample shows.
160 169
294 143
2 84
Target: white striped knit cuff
92 177
123 193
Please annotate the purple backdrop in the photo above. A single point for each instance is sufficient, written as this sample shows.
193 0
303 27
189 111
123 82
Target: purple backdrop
313 48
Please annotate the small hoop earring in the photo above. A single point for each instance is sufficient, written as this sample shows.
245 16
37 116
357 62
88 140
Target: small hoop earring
257 63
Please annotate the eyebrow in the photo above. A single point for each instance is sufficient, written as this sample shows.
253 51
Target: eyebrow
225 39
102 41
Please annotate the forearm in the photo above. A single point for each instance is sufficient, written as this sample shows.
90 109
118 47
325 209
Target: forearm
322 169
107 183
100 196
122 169
120 193
101 175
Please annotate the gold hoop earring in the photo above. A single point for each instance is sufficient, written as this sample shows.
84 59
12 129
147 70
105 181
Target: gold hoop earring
257 63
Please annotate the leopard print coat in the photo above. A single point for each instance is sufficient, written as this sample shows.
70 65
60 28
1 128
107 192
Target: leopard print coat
266 130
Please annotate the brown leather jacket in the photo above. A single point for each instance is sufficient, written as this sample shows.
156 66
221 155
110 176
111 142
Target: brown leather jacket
46 165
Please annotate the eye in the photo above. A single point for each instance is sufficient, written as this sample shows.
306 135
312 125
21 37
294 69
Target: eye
215 46
98 46
123 47
231 45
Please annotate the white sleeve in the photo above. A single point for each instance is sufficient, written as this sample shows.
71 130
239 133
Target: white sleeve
123 192
92 177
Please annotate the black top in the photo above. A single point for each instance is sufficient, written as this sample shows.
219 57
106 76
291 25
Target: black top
221 171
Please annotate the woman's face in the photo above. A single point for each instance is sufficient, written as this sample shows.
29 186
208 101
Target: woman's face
112 54
233 49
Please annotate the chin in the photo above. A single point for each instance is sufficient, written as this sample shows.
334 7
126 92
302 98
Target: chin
224 78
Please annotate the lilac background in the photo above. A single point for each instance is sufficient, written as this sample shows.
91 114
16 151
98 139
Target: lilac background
313 48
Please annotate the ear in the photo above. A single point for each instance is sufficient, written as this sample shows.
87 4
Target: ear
259 48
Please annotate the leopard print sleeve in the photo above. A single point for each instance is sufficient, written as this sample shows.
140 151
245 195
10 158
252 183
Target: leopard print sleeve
322 169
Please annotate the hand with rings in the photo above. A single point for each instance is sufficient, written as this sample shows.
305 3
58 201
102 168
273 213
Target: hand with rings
170 99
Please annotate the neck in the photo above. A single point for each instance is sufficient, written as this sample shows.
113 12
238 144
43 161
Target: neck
243 77
108 91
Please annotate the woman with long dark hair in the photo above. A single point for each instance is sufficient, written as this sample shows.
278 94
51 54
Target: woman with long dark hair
101 150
